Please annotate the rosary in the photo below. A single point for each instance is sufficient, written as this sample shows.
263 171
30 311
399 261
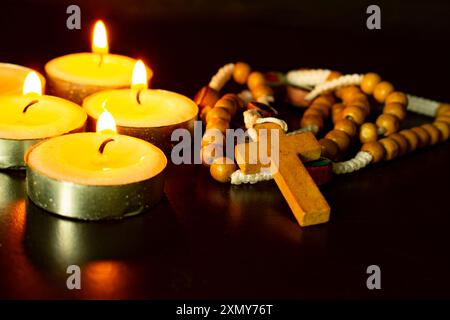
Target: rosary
324 94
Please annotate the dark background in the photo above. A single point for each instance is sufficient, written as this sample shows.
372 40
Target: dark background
207 240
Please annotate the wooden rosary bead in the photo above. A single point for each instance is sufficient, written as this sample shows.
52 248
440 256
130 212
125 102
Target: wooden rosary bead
313 112
376 149
255 79
362 105
444 114
396 109
334 75
391 148
330 149
241 72
336 111
444 129
348 126
412 138
204 112
261 91
219 124
433 132
213 136
444 118
222 168
240 104
424 137
337 107
346 93
326 99
208 153
398 97
227 103
354 113
338 117
323 108
444 108
340 138
382 90
369 81
357 98
218 112
312 120
389 123
368 132
401 142
206 96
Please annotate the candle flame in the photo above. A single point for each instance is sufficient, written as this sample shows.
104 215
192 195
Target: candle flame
106 123
139 78
32 84
100 39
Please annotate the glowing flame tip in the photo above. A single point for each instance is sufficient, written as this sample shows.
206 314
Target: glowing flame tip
32 84
100 38
106 122
139 78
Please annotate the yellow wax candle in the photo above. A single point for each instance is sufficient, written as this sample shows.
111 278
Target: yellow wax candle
151 115
76 158
95 175
12 77
158 108
26 119
78 75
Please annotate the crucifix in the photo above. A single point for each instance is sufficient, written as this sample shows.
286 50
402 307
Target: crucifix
298 188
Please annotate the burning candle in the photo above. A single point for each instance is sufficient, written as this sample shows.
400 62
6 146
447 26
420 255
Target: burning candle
12 77
78 75
151 115
31 117
95 175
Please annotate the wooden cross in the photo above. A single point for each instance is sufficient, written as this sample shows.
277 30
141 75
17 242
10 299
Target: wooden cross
298 188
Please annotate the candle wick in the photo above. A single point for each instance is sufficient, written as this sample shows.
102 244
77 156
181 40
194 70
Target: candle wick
29 105
101 60
103 145
138 96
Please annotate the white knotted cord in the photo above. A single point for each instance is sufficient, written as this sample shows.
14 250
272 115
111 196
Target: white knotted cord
313 77
222 76
238 177
277 121
343 81
361 160
422 106
250 117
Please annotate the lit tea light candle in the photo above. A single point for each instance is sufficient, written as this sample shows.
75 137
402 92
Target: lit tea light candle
12 77
78 75
151 115
92 176
31 117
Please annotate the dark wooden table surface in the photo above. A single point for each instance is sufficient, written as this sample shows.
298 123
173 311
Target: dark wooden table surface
210 240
